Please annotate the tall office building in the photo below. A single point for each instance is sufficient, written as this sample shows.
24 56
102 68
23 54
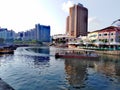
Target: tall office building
40 33
77 21
67 25
7 35
43 33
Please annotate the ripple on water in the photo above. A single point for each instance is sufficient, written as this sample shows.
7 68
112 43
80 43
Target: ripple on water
31 72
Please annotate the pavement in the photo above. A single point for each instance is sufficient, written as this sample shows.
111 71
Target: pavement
5 86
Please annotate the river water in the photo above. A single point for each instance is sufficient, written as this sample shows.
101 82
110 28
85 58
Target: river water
37 69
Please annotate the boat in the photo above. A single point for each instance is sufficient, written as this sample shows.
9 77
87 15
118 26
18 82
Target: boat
88 54
6 51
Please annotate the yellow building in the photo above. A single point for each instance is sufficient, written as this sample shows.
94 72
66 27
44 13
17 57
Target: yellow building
93 36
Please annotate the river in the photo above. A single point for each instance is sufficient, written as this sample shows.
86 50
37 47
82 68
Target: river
33 68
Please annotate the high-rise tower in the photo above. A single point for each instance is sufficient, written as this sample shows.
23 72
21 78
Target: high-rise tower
77 21
67 25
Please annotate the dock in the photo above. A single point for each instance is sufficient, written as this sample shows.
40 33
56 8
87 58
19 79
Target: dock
5 86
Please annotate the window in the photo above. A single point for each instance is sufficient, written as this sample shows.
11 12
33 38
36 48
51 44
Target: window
105 34
111 40
111 33
100 35
106 40
93 36
100 40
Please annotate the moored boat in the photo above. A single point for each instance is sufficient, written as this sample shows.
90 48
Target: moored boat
6 51
77 54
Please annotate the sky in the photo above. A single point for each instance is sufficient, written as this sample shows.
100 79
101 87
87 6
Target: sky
22 15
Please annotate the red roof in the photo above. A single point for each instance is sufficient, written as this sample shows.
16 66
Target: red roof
108 29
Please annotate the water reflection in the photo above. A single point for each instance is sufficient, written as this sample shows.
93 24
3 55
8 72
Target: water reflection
33 71
7 58
79 71
41 61
109 65
39 50
76 71
35 61
34 56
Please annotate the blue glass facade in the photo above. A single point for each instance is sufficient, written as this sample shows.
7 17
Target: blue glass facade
40 33
43 33
7 35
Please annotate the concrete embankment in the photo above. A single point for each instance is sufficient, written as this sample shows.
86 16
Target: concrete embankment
115 52
5 86
109 52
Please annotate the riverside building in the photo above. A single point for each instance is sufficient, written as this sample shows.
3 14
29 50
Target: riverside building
39 33
107 35
43 33
6 36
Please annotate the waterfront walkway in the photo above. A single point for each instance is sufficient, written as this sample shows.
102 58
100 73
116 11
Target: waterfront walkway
5 86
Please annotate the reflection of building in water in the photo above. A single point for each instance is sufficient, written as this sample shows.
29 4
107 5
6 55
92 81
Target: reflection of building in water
106 68
110 57
40 57
41 61
110 68
76 71
38 61
117 68
41 50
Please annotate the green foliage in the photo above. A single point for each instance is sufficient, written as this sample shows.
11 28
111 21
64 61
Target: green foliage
104 40
19 41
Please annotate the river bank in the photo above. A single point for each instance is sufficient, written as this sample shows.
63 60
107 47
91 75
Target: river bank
109 52
114 52
4 85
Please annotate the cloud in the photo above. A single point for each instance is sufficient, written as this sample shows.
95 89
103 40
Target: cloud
66 6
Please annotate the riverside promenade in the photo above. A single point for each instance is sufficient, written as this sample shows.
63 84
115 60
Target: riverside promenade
5 86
